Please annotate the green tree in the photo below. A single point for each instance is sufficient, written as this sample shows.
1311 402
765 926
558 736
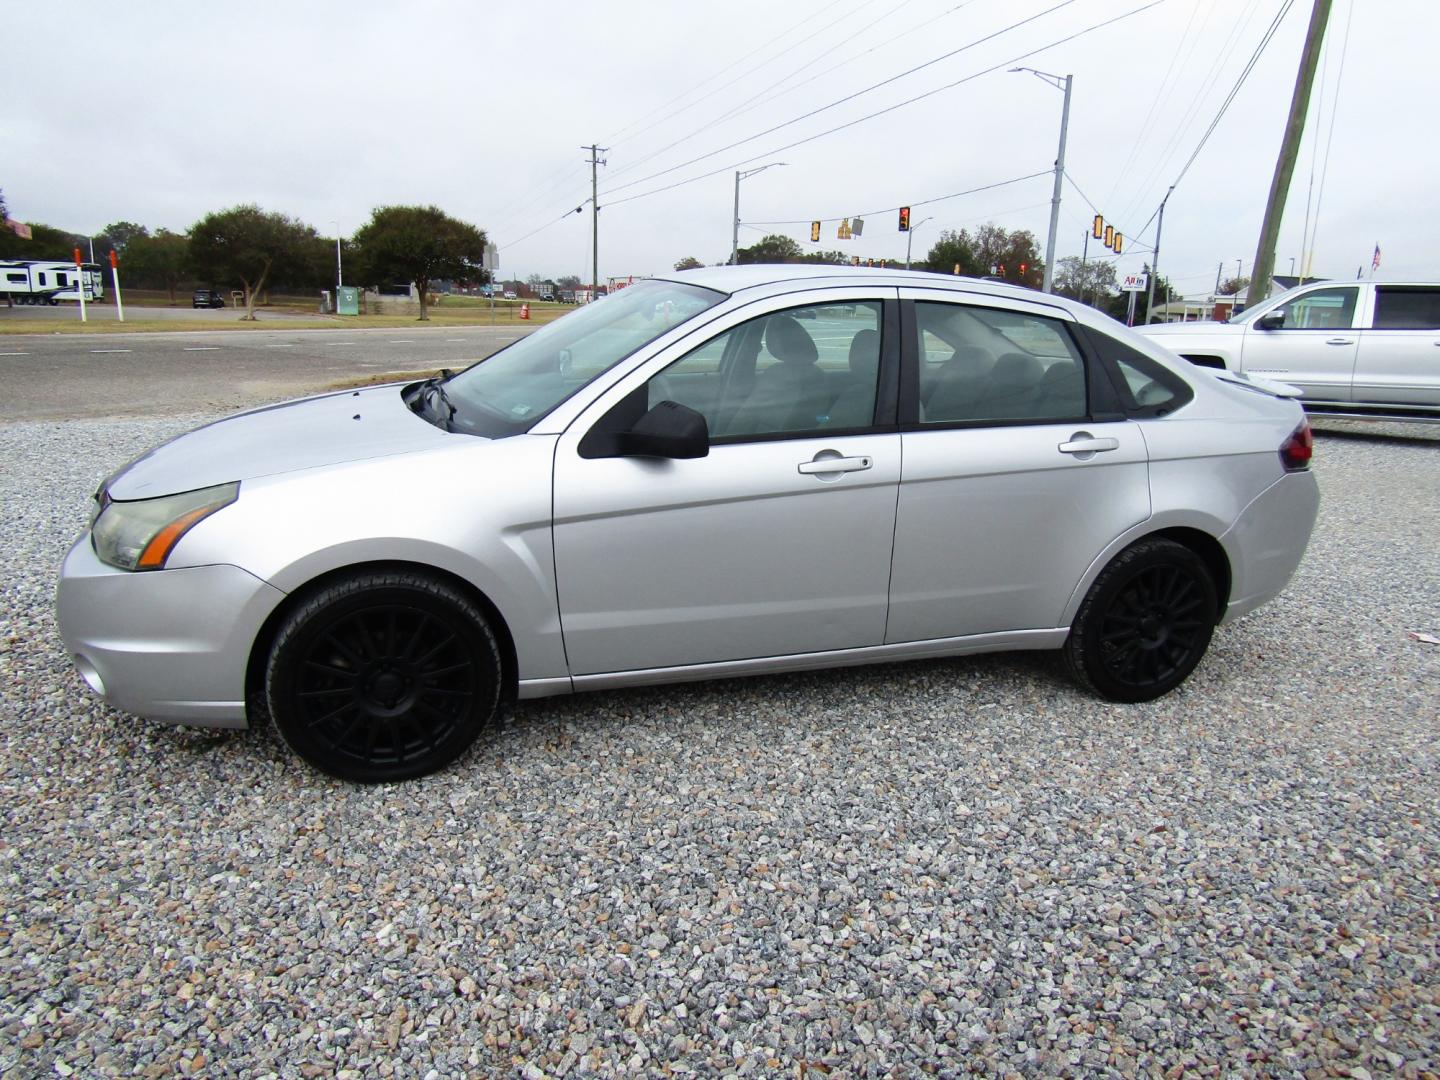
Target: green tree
251 246
952 249
774 248
1231 286
160 261
122 232
419 244
1091 282
829 258
689 262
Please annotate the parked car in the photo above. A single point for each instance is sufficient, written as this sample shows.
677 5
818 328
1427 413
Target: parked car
686 481
207 298
509 294
1354 348
548 297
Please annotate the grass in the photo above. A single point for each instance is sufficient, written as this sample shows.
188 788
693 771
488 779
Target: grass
507 313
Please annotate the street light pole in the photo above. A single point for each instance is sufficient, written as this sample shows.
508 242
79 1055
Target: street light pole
339 275
1060 82
908 234
735 225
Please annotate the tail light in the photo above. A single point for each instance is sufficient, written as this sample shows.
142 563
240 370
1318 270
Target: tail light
1296 451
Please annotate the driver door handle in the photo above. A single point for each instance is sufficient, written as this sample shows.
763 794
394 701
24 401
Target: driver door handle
1340 341
835 464
1088 445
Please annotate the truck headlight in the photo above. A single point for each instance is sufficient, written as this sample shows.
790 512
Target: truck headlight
140 534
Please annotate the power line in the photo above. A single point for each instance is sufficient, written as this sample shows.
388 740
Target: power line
847 97
920 202
898 105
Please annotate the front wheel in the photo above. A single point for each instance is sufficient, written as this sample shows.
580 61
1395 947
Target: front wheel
1145 623
383 676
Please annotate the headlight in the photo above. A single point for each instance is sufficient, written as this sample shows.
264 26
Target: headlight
140 535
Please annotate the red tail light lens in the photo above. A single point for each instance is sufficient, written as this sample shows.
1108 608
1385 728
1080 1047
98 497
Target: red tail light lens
1296 451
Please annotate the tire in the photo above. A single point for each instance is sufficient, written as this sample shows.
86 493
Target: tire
383 677
1145 623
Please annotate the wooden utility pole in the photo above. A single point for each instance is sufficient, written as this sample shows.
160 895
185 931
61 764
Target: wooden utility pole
1264 267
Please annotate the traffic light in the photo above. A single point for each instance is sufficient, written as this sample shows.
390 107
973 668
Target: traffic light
869 262
1109 236
904 219
854 260
814 232
1023 268
1119 242
1099 226
1001 268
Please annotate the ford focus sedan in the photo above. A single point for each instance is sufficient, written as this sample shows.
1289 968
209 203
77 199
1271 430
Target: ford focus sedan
728 472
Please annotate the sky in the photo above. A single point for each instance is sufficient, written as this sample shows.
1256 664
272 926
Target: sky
326 111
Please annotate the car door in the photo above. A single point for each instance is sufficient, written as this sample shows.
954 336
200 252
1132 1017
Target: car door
1314 348
1016 475
775 543
1399 358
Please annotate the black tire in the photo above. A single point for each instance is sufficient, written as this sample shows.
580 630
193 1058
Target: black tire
1145 623
383 676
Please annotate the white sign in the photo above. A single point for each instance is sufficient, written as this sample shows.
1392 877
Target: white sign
1135 283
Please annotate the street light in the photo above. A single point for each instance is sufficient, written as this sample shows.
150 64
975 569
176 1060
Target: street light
735 232
908 234
1060 82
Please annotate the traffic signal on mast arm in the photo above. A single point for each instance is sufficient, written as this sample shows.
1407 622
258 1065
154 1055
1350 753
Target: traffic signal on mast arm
814 232
1023 268
1119 242
904 219
1099 227
1109 236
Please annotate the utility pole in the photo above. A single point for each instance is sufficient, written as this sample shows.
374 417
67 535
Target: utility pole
1155 262
1263 269
1060 82
595 161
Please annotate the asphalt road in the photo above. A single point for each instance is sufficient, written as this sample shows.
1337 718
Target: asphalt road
49 377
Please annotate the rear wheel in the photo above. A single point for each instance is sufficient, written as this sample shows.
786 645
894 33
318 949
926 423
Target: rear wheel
1145 623
383 676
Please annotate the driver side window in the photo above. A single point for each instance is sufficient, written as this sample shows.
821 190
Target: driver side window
1324 309
790 372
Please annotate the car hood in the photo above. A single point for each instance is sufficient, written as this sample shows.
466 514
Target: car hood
347 426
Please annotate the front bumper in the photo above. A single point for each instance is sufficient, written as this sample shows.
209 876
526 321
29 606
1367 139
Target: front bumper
169 645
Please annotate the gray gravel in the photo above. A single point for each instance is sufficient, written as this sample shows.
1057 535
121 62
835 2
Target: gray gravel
937 867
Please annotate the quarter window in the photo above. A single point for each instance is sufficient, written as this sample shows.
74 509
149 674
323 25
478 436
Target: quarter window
1407 308
804 369
1323 309
990 365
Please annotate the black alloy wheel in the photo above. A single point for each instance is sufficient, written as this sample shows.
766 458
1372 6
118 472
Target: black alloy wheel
383 676
1145 623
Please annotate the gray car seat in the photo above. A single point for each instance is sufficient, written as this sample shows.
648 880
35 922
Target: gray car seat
855 406
792 395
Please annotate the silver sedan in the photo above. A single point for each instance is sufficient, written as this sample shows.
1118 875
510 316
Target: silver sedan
728 472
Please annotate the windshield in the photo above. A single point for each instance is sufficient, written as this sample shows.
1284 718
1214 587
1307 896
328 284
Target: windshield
507 393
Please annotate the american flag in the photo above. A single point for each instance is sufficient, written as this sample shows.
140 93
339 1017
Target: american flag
1375 262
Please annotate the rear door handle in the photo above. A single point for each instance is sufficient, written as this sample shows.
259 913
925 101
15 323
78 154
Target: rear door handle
1086 444
1340 341
835 464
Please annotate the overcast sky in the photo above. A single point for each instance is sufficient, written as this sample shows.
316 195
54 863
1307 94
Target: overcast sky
158 113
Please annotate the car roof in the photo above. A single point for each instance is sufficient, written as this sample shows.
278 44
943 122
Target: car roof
732 279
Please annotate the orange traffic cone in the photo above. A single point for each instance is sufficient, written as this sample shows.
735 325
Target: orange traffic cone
524 311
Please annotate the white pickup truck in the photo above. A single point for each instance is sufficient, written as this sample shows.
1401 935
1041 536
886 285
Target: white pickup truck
1354 348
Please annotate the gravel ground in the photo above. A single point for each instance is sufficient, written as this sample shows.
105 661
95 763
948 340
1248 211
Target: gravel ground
941 867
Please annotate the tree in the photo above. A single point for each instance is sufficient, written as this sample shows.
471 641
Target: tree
122 232
989 246
1090 282
1119 305
774 248
689 262
419 244
1233 286
251 246
568 283
159 261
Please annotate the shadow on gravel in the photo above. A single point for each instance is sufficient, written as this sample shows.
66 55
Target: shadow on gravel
1425 435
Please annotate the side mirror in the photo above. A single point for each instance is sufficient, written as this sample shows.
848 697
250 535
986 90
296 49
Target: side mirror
669 430
1271 320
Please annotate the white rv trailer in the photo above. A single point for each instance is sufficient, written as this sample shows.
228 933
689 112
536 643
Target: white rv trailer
45 281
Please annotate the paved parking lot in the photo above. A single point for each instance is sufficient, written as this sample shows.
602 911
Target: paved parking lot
948 866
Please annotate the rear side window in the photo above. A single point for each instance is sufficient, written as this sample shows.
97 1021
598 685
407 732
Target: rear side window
1399 308
1146 387
989 365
